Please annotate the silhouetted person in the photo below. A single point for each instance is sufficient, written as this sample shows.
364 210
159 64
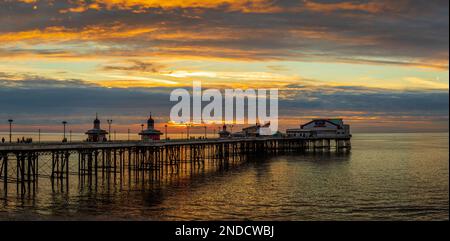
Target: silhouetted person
3 139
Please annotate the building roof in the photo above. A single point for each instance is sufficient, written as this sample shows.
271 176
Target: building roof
150 119
337 121
239 133
251 127
331 121
150 132
224 132
96 118
96 132
297 130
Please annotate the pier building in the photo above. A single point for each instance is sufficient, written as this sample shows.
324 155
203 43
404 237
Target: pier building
224 133
96 134
328 128
150 134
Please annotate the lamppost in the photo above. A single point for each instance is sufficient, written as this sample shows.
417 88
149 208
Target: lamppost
187 131
205 131
64 135
109 129
165 131
39 135
128 134
10 130
182 132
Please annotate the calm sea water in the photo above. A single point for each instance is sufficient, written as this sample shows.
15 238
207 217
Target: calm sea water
384 177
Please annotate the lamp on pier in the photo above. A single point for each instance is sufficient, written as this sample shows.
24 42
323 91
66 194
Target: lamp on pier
109 129
64 131
10 130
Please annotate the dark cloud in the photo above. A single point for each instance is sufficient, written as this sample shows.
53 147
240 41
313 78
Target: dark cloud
350 98
402 31
32 82
45 105
51 102
136 65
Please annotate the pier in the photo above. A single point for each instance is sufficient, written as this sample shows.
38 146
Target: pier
25 164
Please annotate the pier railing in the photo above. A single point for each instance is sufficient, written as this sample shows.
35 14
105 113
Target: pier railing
128 143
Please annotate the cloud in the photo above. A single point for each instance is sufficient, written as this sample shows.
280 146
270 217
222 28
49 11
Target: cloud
370 100
413 33
121 51
142 5
62 34
32 82
426 83
136 65
375 7
50 100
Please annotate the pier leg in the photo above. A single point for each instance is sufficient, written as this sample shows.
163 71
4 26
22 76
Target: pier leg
4 158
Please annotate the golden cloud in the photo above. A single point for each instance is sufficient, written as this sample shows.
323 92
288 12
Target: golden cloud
58 33
139 5
370 7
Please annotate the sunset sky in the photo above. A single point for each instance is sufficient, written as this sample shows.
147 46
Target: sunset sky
381 65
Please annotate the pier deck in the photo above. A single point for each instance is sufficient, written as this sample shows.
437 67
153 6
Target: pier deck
49 146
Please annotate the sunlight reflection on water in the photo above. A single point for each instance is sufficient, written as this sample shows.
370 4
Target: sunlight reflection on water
385 177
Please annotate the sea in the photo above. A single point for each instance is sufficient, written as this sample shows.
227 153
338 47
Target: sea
385 176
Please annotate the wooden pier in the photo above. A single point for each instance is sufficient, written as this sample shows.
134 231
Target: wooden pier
24 164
